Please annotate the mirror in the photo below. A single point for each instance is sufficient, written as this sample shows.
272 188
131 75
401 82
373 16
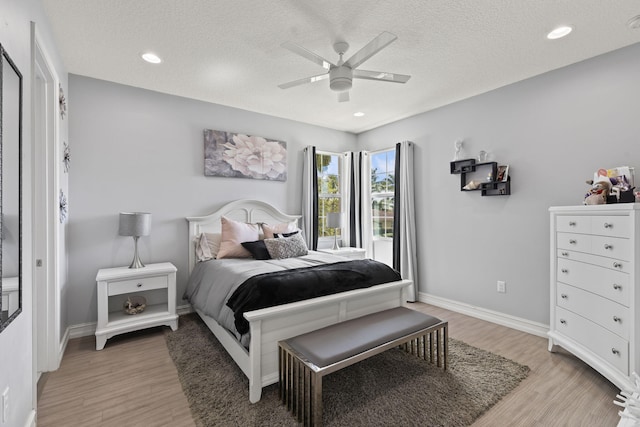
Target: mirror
10 190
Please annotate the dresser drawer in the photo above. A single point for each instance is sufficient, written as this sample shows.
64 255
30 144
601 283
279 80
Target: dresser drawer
597 260
610 284
616 226
603 343
573 224
137 285
574 242
608 314
612 247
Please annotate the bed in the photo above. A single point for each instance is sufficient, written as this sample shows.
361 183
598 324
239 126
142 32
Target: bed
267 326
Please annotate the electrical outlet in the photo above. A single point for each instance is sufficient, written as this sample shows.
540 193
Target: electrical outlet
4 407
502 286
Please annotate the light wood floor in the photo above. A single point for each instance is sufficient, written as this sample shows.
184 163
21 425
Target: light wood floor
133 382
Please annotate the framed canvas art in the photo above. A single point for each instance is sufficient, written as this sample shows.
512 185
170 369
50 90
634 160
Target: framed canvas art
235 155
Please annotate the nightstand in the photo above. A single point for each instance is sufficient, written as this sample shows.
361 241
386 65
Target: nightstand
116 284
351 253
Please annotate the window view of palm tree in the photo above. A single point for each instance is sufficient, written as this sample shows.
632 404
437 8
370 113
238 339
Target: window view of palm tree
382 193
329 192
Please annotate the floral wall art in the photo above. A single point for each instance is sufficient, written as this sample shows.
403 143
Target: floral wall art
235 155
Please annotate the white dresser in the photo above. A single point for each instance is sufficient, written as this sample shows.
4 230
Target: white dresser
595 287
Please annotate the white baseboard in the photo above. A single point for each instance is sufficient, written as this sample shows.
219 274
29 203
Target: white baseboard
81 330
31 419
184 309
513 322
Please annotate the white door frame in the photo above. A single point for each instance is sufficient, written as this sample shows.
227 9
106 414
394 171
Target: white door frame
46 289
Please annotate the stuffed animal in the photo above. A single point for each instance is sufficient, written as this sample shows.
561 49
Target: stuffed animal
598 193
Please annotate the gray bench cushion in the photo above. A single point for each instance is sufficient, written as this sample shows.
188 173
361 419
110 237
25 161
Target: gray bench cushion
338 342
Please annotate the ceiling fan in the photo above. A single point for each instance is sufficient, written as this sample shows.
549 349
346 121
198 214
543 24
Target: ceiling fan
341 75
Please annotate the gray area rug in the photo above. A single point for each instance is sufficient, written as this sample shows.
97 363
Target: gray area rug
392 388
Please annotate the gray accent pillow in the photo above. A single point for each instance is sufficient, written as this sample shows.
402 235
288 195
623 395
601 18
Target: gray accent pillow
286 247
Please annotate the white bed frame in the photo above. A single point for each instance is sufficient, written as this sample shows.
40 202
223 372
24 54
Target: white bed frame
270 325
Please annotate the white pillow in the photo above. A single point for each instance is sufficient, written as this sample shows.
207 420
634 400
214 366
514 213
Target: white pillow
207 245
233 234
286 247
285 227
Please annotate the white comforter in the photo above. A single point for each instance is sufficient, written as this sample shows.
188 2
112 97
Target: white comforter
213 282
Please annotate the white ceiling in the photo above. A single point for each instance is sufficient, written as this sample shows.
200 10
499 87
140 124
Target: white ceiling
228 51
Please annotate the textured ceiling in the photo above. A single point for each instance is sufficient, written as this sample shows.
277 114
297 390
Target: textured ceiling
228 51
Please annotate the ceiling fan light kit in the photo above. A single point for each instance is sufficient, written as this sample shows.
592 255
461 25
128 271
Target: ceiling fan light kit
341 75
340 78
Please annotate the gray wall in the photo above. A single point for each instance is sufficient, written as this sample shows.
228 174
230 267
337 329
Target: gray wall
138 150
554 131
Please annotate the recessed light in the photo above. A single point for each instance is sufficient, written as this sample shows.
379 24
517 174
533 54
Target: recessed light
559 32
151 58
358 114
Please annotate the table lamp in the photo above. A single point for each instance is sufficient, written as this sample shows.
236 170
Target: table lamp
334 220
135 224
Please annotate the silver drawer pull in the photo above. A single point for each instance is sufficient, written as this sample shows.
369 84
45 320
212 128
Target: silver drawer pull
614 351
573 241
564 322
563 296
617 287
564 270
608 246
139 285
572 223
607 225
565 253
617 319
617 265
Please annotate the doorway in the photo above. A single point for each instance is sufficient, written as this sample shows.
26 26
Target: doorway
46 289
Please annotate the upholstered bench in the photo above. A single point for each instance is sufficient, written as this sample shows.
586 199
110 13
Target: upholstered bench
305 359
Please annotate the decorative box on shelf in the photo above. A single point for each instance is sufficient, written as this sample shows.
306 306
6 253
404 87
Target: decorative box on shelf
351 253
122 284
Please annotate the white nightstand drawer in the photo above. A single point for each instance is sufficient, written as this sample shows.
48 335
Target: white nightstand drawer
137 285
608 314
601 342
617 226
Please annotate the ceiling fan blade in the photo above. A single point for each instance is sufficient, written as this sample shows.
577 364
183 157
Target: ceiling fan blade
380 76
373 47
299 82
308 54
343 96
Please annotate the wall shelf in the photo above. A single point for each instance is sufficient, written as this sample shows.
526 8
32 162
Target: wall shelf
484 173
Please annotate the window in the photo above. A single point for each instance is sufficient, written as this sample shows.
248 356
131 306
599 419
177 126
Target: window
382 193
329 190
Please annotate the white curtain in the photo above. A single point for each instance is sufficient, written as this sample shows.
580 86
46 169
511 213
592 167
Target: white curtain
310 198
365 196
404 237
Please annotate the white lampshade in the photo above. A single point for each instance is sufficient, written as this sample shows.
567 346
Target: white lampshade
135 224
334 220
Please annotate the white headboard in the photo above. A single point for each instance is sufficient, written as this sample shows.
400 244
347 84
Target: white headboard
252 211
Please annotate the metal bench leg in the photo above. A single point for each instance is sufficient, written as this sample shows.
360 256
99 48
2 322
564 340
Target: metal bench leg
446 344
316 399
